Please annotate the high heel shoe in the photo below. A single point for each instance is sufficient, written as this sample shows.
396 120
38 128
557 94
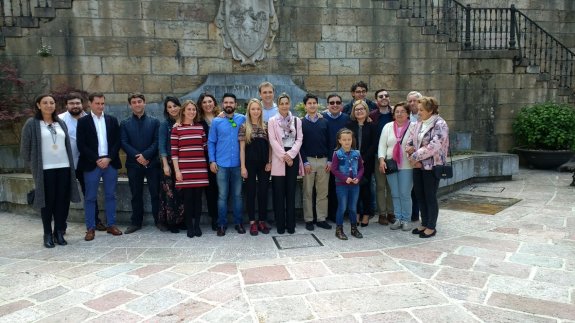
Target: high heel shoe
365 217
48 241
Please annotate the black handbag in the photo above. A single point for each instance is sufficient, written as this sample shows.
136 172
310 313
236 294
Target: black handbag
444 171
391 166
30 197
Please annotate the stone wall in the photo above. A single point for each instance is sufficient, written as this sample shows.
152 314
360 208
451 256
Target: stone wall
169 47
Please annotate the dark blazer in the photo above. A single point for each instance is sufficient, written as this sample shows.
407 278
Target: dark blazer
369 143
87 141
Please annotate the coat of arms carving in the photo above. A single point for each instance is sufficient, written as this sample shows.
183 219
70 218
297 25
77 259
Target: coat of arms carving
248 28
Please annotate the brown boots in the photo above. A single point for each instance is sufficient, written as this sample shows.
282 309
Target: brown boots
386 219
354 232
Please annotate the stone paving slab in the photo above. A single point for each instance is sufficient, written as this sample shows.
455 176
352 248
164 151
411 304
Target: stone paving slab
514 266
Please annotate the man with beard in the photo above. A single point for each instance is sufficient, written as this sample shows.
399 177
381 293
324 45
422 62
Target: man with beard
139 136
224 155
74 111
381 117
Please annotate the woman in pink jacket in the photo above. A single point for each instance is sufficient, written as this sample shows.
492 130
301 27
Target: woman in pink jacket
285 138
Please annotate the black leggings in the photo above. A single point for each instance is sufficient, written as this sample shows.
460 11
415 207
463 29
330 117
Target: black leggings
425 185
192 198
284 197
57 199
257 169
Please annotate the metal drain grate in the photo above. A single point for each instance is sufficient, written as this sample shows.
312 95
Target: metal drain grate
476 203
295 241
487 189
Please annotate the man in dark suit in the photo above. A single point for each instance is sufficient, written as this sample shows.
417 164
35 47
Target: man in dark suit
98 140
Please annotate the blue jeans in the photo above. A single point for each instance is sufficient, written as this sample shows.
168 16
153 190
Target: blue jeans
400 184
346 200
229 183
92 181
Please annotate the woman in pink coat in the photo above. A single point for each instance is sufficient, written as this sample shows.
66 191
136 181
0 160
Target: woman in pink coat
285 138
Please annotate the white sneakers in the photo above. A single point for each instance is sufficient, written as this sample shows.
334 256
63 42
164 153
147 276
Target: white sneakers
403 225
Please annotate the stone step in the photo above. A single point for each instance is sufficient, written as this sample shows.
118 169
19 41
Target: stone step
429 30
62 4
404 13
416 22
28 22
15 31
43 12
391 4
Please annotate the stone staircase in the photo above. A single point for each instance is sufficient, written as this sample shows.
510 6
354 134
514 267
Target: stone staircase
504 33
18 15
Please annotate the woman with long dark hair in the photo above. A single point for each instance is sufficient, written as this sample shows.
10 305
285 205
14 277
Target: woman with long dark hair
45 147
171 212
208 111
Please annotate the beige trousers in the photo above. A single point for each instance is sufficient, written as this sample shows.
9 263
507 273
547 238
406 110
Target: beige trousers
320 178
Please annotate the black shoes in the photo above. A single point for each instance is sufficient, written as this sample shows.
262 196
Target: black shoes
240 228
323 225
309 226
423 235
59 238
221 231
291 231
355 232
132 229
417 231
48 241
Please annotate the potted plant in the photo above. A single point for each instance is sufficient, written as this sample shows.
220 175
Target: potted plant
545 134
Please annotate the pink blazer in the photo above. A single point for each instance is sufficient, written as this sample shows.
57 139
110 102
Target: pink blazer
275 136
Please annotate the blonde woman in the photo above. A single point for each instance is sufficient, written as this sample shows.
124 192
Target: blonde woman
256 165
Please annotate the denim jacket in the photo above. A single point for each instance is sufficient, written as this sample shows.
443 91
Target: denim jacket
346 165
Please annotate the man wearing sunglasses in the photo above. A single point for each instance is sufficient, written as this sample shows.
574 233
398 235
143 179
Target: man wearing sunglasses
359 92
224 154
381 117
336 120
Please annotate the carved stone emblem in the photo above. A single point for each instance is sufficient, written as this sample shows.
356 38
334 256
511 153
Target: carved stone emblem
248 28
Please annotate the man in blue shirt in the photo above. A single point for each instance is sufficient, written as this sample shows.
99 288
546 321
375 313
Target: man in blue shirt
224 154
270 108
139 137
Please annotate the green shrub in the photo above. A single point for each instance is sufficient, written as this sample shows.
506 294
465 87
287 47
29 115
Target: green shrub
546 126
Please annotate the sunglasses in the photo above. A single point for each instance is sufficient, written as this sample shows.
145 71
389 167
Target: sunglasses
232 122
335 102
383 96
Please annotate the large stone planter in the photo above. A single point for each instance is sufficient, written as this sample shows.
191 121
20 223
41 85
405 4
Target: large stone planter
544 159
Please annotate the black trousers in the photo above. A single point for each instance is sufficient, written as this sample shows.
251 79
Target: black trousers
212 192
257 187
80 178
365 200
192 198
426 185
414 206
284 197
57 199
136 180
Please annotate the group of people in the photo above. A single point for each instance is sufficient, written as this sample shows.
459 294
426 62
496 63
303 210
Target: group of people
202 148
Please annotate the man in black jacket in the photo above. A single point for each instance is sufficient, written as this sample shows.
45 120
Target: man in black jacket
139 136
98 141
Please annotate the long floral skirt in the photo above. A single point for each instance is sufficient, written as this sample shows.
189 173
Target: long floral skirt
171 207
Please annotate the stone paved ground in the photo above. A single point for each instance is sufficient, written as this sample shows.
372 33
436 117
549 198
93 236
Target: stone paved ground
516 266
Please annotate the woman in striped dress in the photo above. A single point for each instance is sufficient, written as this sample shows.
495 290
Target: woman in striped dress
188 142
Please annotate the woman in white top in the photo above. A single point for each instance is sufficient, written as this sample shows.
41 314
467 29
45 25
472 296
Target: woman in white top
45 147
392 146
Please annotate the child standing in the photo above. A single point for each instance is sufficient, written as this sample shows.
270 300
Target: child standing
347 168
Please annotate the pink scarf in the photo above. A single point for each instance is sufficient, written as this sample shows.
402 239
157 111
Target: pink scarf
398 132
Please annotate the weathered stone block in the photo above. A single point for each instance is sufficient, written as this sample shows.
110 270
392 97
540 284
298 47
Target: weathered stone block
198 11
95 27
310 33
153 47
344 66
339 33
106 46
127 83
81 9
182 84
98 83
126 65
319 67
133 28
157 84
174 65
181 29
320 83
291 66
65 80
214 65
338 3
41 65
199 48
330 50
161 10
81 65
381 66
365 50
306 49
119 9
